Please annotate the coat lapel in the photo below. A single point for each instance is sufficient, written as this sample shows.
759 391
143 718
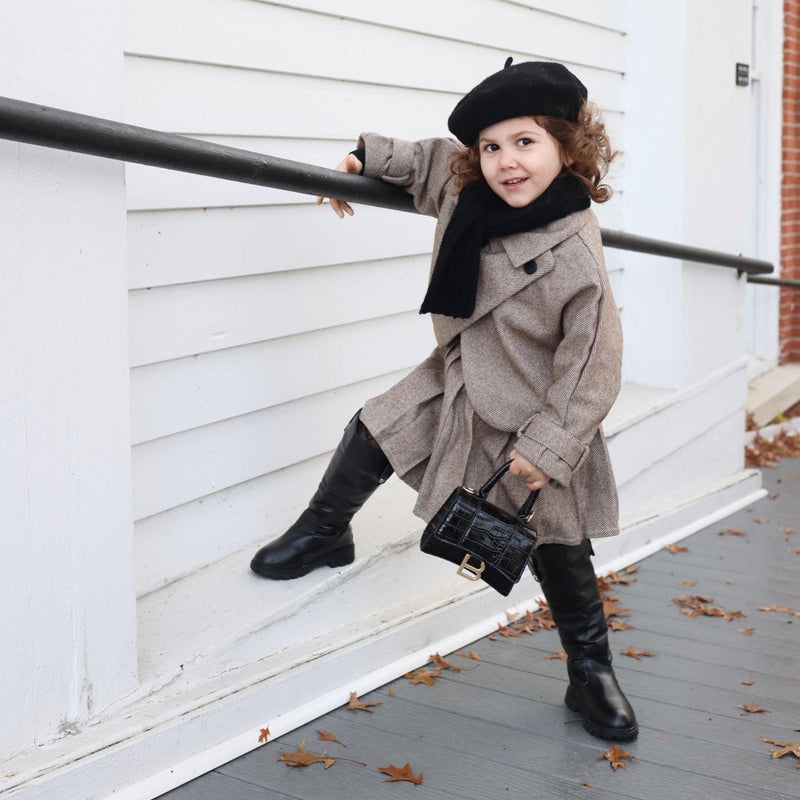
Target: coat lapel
503 272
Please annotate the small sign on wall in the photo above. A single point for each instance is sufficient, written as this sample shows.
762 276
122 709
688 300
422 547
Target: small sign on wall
742 74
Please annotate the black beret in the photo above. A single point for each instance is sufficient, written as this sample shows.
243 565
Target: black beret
528 89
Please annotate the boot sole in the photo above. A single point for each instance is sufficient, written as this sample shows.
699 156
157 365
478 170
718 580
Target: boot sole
338 558
600 731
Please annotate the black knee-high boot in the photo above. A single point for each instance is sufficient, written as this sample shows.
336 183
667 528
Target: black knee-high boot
570 588
322 535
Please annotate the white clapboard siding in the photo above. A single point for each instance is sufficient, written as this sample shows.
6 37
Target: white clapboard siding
275 37
462 19
597 13
260 322
198 244
176 321
186 393
177 469
241 102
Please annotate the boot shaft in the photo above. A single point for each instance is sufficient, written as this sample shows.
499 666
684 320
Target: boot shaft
356 469
567 578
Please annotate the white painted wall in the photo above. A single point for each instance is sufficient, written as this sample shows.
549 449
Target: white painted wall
66 580
688 162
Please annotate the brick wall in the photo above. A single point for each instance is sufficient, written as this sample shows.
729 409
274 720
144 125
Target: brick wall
790 184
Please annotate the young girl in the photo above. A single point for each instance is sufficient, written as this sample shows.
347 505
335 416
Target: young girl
528 356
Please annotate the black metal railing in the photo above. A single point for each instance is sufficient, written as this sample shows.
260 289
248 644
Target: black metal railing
36 124
787 282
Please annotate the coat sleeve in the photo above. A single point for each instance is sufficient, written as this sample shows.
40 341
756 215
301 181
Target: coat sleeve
587 369
421 168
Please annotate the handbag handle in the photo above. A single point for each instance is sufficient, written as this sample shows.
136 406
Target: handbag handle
525 510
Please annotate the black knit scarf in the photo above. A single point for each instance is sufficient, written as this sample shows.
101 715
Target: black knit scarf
479 215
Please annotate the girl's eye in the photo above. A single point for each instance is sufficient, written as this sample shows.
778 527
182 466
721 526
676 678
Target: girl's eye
491 148
524 141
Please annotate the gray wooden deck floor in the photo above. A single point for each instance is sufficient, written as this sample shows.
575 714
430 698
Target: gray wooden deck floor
499 729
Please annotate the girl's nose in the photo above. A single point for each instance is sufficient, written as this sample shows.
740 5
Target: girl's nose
507 159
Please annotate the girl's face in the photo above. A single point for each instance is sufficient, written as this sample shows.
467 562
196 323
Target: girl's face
519 159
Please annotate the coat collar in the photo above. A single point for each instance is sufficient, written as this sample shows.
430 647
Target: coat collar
522 247
497 285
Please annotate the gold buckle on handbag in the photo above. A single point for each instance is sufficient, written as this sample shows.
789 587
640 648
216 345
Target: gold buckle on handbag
470 572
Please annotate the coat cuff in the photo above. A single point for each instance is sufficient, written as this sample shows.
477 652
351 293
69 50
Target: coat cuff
557 453
388 159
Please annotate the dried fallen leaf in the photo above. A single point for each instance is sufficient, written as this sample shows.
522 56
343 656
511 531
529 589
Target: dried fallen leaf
795 550
263 735
631 569
634 652
788 531
698 605
533 621
304 758
472 654
786 748
589 785
760 520
611 608
390 692
400 774
676 548
688 584
619 625
327 736
504 631
426 676
614 756
560 654
730 532
357 705
442 663
615 577
748 682
746 631
762 452
731 615
754 708
779 609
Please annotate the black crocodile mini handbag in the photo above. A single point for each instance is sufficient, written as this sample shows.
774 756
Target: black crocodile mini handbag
485 542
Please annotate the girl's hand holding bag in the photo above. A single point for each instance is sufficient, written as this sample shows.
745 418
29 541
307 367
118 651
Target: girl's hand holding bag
486 542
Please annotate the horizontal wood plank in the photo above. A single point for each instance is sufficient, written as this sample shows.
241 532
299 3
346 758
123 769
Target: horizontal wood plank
176 321
175 396
363 41
220 100
174 247
601 13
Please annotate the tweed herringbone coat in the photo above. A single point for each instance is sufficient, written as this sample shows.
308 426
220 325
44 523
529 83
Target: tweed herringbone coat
536 367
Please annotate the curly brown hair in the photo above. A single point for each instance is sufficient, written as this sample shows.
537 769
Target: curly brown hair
584 145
